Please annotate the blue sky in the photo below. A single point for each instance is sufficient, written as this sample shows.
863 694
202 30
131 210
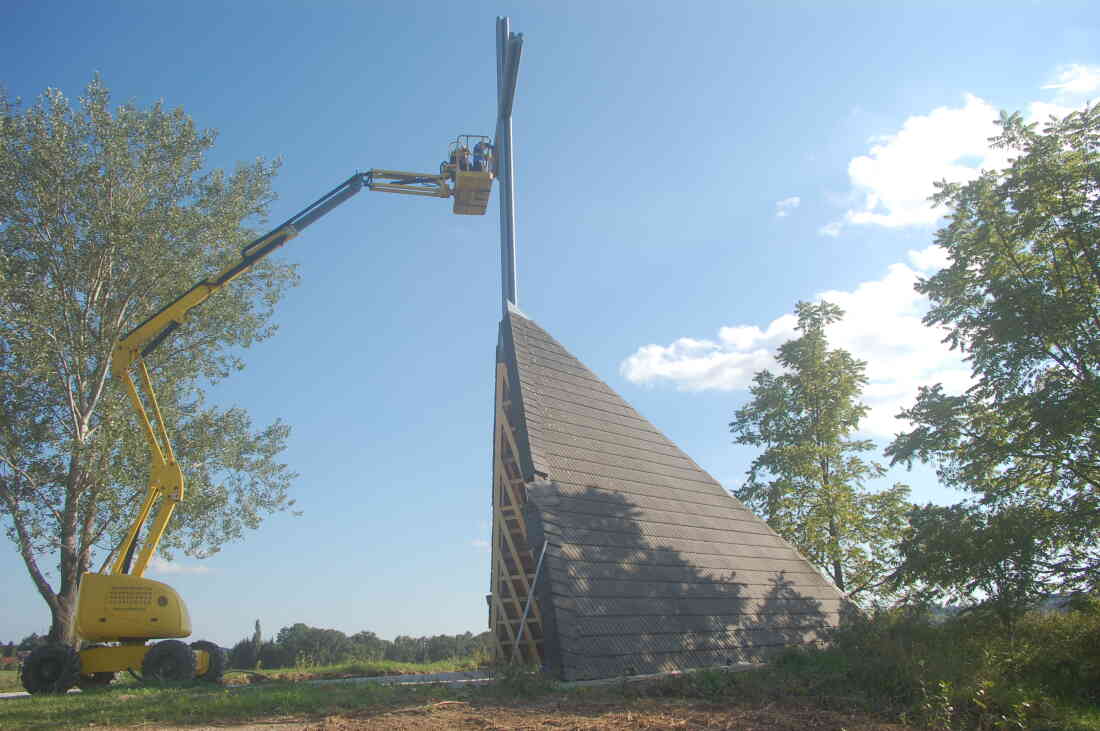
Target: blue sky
685 173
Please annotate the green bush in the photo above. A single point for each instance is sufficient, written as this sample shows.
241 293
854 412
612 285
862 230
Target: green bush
888 654
1062 652
520 681
965 672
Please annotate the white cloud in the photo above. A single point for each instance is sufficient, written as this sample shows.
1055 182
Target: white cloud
1076 79
784 207
894 179
930 260
882 325
159 565
698 365
1041 112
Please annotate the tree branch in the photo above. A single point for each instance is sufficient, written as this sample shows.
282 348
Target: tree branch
26 551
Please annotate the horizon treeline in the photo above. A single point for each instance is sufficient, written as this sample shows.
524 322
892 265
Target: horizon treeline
302 645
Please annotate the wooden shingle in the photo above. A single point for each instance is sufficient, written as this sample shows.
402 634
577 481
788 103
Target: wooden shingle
651 565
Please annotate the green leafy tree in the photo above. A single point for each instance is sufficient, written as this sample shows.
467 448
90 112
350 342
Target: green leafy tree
314 646
107 214
1002 559
1021 298
273 655
243 655
407 649
30 642
367 646
246 653
807 483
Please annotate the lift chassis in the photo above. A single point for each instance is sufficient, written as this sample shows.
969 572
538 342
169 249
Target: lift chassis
119 610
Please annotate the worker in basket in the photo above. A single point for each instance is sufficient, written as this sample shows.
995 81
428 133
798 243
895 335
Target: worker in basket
455 159
483 151
462 154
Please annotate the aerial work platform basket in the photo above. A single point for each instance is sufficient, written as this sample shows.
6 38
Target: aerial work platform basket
472 192
470 166
466 175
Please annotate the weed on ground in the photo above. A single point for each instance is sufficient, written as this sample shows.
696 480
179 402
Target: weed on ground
357 669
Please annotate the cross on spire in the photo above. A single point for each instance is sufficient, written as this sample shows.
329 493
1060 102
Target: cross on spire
509 48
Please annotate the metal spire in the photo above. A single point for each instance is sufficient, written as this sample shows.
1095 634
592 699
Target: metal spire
509 48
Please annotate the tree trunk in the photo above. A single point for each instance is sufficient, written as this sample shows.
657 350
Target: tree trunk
838 574
838 569
62 625
63 610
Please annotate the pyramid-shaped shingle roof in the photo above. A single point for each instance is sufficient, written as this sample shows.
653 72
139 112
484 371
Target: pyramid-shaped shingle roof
651 565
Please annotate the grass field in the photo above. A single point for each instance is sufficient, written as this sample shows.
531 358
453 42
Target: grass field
131 705
364 669
516 700
794 694
9 681
890 671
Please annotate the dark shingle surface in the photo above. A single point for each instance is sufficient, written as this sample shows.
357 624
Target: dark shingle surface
652 564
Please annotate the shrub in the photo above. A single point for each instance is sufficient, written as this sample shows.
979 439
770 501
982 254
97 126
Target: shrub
273 655
966 672
243 655
1062 652
520 681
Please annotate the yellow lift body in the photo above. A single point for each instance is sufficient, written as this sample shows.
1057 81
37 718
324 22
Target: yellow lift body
121 606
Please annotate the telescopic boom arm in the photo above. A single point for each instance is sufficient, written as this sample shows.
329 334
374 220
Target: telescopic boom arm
165 476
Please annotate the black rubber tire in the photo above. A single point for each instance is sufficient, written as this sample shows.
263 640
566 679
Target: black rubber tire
168 661
219 659
92 681
51 669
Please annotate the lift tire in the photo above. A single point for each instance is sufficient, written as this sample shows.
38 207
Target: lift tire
51 669
219 660
168 661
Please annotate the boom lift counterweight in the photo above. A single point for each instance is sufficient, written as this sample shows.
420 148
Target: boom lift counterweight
121 606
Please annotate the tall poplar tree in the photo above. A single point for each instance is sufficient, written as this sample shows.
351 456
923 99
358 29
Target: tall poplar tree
106 215
808 482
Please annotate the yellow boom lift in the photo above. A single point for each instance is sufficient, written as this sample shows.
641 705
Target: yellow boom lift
120 610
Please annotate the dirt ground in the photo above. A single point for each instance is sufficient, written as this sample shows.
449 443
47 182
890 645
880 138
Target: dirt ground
560 715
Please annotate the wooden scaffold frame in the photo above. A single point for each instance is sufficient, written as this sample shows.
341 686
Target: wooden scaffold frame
513 561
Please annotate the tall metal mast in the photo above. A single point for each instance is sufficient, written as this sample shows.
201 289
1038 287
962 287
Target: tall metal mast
509 48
